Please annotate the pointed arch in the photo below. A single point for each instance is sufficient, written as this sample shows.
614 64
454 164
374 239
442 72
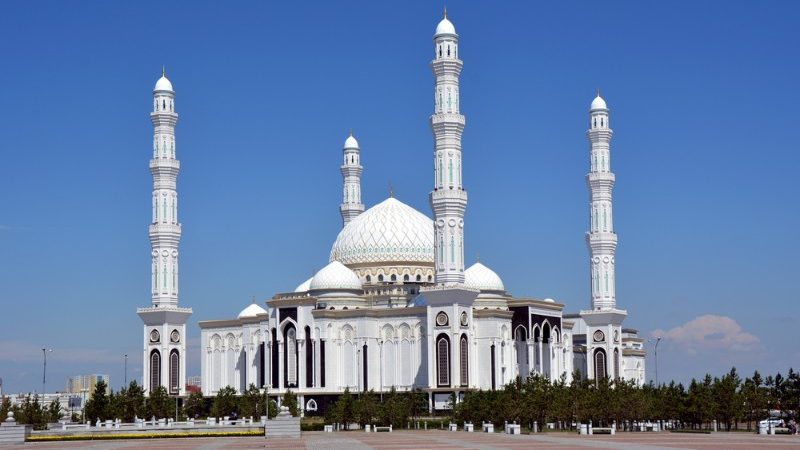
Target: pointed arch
442 360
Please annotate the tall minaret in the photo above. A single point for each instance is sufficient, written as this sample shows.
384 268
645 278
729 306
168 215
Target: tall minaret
448 198
164 322
601 239
351 169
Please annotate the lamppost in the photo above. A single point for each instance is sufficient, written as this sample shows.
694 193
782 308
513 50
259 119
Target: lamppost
658 339
126 370
44 370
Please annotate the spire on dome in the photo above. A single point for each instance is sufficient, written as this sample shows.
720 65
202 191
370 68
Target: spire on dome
163 71
444 13
391 190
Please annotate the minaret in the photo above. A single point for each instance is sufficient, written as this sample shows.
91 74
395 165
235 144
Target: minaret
351 169
601 239
448 198
164 322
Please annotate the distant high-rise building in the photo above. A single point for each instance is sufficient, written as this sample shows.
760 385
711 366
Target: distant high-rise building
76 384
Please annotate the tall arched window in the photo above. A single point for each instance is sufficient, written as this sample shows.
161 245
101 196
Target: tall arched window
443 361
155 370
616 364
464 361
452 249
174 372
291 357
600 364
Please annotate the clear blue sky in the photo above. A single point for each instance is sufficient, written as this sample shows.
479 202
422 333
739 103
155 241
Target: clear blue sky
704 102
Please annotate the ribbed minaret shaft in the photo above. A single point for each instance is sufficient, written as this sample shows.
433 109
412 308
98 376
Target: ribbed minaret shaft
601 239
448 198
165 230
351 169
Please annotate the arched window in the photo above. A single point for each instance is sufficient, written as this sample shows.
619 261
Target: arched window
451 170
369 278
155 370
443 361
464 361
600 364
291 357
440 51
452 249
394 277
163 105
616 364
601 121
380 277
448 50
405 277
419 277
440 172
174 372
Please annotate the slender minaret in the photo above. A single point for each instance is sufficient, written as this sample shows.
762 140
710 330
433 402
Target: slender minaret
448 198
601 239
165 231
164 359
351 169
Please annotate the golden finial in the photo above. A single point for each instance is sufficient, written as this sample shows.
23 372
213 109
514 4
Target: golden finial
444 14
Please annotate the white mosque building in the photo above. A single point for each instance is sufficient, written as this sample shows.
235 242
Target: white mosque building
395 306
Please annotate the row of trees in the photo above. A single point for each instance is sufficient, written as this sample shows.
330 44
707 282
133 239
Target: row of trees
130 402
729 400
393 408
32 412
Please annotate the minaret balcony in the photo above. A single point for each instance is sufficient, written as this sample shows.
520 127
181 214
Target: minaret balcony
167 163
447 119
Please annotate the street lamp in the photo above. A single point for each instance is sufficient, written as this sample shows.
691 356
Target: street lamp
45 351
658 339
126 370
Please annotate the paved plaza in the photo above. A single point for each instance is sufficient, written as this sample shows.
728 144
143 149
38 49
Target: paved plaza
419 440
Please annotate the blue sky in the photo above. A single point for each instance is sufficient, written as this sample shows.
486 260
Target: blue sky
703 97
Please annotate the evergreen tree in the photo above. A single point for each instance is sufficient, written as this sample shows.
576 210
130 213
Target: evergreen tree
195 405
290 401
225 403
159 404
97 406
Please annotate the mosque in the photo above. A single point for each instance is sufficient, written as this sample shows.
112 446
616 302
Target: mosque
395 307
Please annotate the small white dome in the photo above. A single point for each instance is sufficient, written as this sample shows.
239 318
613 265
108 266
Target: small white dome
598 103
252 310
335 276
163 84
304 286
351 142
481 277
549 300
445 26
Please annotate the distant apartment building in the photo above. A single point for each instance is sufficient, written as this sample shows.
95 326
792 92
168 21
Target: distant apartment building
85 383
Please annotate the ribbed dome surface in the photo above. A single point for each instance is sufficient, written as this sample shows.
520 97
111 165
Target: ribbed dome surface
390 231
481 277
304 286
335 276
252 310
163 84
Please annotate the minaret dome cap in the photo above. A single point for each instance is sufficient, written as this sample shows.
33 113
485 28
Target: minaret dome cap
598 103
351 142
445 26
163 84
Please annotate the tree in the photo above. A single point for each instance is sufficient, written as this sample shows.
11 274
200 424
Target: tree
396 408
97 406
365 409
132 402
342 411
225 403
290 401
195 405
249 402
54 411
159 404
5 407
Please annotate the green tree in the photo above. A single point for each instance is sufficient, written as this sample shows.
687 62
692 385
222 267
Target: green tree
396 408
131 402
97 406
365 409
249 402
290 401
342 411
54 411
225 403
159 404
5 407
195 405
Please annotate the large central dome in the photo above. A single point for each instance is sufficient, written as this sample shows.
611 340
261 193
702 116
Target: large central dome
389 232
